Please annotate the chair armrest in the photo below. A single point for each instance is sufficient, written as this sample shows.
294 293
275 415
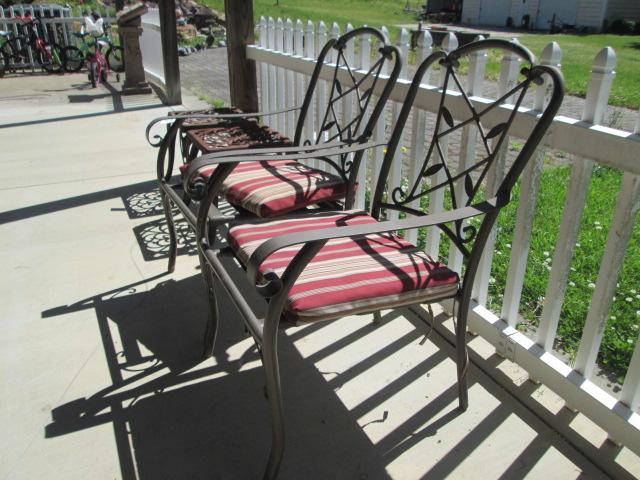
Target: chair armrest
213 116
273 153
322 236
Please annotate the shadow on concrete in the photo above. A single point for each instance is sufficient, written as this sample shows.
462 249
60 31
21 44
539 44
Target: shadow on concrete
153 239
116 99
175 416
73 202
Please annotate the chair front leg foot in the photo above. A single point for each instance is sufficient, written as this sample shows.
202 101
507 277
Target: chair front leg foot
171 228
274 396
211 331
462 360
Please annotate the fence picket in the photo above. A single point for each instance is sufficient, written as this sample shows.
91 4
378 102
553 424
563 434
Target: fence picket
379 134
395 175
289 99
310 52
280 102
364 64
475 81
597 95
271 45
630 394
264 69
449 43
346 106
530 186
333 58
321 97
508 77
298 46
424 47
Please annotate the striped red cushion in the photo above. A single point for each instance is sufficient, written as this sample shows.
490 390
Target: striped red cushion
348 276
273 188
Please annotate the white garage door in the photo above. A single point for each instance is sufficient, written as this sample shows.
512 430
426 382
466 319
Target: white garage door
494 12
566 12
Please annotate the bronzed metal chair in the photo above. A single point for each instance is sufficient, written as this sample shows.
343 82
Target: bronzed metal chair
276 187
325 265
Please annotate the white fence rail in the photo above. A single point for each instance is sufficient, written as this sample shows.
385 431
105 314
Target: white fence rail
286 57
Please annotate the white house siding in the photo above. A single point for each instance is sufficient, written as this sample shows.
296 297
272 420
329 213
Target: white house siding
471 12
623 9
591 13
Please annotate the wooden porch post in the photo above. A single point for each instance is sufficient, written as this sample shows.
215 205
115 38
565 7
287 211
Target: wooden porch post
242 72
167 10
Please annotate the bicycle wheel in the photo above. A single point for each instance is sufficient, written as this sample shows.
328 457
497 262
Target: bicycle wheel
72 59
115 58
50 58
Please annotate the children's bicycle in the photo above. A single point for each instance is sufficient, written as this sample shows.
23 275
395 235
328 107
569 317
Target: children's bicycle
91 54
14 52
75 58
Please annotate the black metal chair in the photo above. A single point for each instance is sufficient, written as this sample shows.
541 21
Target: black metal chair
324 265
274 188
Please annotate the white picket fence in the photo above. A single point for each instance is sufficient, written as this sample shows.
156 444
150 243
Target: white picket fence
286 57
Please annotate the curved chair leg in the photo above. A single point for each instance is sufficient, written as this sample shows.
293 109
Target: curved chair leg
171 227
462 358
211 332
274 395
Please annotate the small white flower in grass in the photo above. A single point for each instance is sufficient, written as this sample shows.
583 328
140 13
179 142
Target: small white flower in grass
498 252
591 285
638 296
618 285
573 269
577 245
632 291
637 314
508 245
492 280
615 298
596 223
628 299
572 284
548 268
613 317
598 227
546 254
629 341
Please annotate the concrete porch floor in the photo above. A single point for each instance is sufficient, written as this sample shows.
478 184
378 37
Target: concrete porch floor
101 375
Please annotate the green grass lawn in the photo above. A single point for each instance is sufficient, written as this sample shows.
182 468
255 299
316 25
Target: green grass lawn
357 12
